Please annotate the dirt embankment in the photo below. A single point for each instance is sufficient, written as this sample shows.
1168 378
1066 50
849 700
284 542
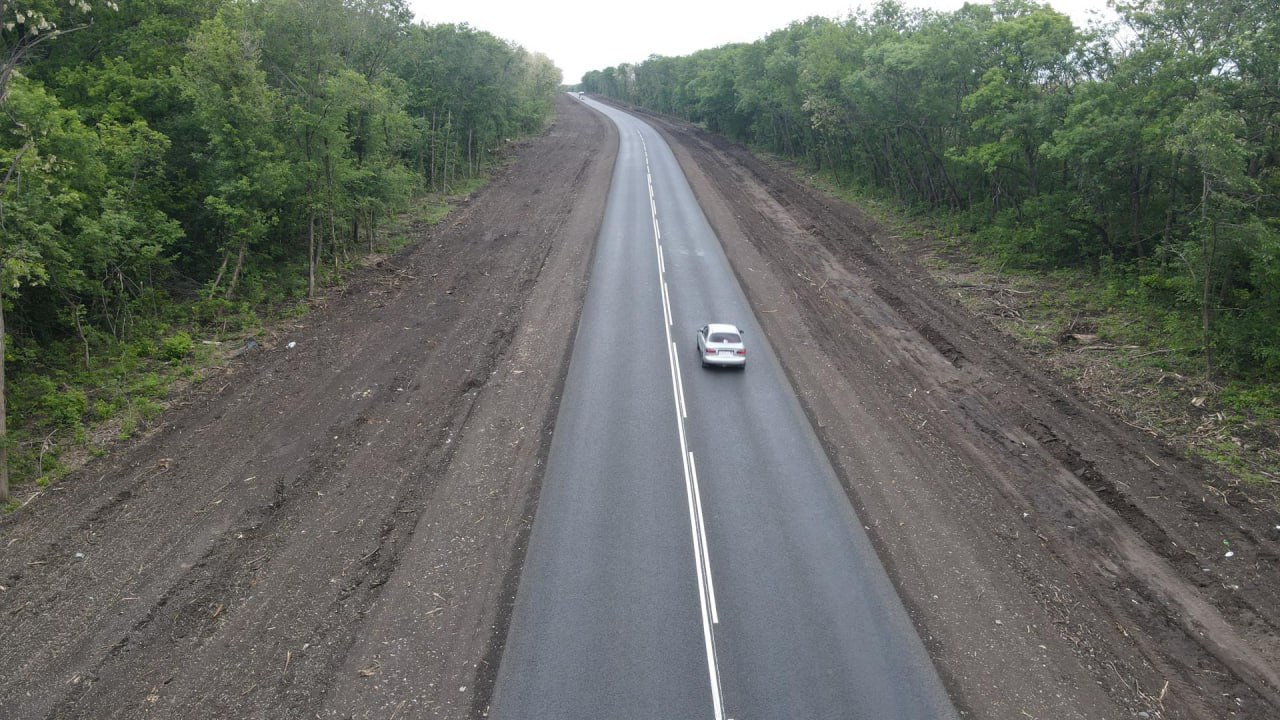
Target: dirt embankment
332 529
1058 562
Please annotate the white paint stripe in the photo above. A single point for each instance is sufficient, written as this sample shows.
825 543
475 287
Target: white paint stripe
666 309
684 411
707 636
675 383
702 531
702 565
662 266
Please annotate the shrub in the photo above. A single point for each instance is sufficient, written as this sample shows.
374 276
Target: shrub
176 347
148 409
103 409
65 407
147 385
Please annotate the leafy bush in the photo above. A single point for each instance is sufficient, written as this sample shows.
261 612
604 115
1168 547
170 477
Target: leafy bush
148 385
148 409
1262 401
103 409
66 407
233 316
176 347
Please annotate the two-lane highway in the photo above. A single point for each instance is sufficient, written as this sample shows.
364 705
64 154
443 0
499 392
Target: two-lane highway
693 554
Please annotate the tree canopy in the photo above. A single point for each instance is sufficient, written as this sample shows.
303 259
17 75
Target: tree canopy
1148 149
165 159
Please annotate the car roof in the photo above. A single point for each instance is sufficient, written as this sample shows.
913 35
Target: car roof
723 327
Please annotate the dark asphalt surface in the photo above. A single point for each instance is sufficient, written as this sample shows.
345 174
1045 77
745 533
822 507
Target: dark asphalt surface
694 560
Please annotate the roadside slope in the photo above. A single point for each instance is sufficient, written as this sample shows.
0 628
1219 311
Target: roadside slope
244 560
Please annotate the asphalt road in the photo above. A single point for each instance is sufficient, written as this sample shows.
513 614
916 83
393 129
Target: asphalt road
693 554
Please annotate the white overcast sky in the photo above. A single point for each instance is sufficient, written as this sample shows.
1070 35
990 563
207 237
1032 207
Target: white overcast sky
583 35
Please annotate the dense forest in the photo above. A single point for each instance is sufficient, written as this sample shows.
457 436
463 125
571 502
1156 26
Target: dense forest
173 165
1144 152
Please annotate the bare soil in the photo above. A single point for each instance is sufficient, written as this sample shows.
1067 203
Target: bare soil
336 529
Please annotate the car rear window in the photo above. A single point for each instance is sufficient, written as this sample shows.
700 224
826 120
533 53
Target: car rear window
725 338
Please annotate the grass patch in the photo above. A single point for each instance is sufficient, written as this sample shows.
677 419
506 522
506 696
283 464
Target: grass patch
63 412
426 211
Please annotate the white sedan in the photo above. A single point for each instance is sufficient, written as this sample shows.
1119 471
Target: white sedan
721 344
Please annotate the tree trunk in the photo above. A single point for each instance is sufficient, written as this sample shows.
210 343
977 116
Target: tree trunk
1209 250
84 341
333 238
433 149
311 254
226 258
4 432
448 126
1135 215
422 148
235 272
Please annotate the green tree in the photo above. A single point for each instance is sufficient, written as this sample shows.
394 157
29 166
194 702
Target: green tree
1209 137
1020 98
1154 159
216 150
241 169
25 25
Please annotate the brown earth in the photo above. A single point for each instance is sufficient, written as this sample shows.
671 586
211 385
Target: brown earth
336 529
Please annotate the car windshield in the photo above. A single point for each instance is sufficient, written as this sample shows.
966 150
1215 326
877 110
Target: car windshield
722 337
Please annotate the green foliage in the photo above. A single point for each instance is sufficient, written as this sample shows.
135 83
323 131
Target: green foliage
190 164
65 407
1155 162
148 409
176 347
103 410
1260 401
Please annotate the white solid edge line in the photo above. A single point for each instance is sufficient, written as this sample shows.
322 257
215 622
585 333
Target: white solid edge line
675 386
702 532
705 605
684 410
713 666
666 307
